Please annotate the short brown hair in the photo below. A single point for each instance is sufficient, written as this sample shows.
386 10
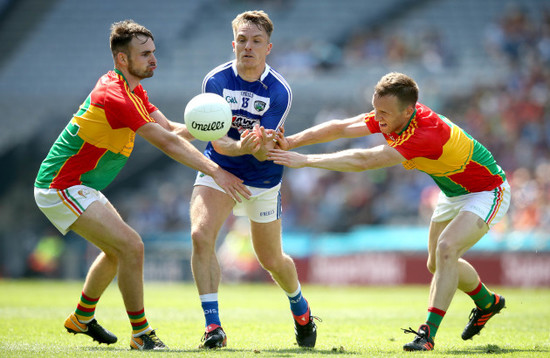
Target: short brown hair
256 17
399 85
122 33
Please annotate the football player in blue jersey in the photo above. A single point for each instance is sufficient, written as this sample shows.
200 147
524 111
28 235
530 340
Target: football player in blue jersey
260 100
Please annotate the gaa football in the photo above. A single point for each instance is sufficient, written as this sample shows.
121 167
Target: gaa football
208 116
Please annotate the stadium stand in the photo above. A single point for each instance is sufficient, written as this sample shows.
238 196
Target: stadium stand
463 54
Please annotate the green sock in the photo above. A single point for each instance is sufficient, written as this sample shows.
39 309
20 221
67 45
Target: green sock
435 316
483 298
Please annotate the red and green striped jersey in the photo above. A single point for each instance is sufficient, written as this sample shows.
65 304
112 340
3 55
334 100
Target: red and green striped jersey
95 145
431 143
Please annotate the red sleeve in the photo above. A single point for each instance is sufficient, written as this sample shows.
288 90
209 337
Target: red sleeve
372 125
124 108
142 93
417 145
422 141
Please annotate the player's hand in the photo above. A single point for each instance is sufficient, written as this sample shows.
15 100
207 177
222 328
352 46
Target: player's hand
280 140
231 184
265 139
287 158
250 143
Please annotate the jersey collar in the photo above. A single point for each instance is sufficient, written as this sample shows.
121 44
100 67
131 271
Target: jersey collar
262 77
117 71
408 123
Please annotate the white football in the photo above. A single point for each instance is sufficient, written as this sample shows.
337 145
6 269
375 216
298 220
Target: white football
208 116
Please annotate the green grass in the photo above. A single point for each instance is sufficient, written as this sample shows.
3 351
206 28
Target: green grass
357 321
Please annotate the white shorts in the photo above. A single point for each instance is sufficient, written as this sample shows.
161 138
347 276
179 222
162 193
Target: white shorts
63 207
490 205
264 205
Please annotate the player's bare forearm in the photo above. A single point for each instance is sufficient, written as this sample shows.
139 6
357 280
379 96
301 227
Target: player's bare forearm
179 129
351 160
176 147
227 146
233 148
345 161
185 153
325 132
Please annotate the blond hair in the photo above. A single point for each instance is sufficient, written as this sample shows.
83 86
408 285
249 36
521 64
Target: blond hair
256 17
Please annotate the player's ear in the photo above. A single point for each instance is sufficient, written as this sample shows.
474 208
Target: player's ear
410 110
121 58
233 44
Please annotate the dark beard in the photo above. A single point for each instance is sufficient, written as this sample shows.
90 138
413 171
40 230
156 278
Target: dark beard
139 74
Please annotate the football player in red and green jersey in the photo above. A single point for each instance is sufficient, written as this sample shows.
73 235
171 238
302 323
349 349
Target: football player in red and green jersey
475 194
88 155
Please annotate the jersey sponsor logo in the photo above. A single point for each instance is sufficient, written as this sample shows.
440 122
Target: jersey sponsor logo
213 126
244 123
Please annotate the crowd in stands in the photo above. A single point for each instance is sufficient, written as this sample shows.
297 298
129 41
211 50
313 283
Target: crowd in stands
512 119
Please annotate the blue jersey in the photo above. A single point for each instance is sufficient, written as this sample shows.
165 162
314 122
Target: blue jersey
265 102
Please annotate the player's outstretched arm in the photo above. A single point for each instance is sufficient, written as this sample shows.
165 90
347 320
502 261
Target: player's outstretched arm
324 132
248 144
185 153
179 128
351 160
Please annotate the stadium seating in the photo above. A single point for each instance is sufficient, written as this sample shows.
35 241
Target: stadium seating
56 54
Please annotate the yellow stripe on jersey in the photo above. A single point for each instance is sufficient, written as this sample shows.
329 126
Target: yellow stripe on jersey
403 137
457 153
138 103
96 130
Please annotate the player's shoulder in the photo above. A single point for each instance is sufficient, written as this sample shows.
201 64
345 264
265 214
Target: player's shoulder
223 70
113 81
425 112
272 75
108 85
275 83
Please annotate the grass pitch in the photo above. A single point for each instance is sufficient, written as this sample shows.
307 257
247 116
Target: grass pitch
357 321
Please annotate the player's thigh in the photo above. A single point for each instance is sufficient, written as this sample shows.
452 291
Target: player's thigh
436 228
209 210
463 232
266 239
102 225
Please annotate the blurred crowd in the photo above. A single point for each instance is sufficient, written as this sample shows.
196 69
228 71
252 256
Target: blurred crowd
512 119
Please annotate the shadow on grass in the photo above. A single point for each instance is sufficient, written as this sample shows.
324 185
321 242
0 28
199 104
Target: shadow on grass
495 349
298 351
278 352
291 352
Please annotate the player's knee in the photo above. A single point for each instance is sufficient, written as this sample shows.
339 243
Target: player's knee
134 247
446 250
137 247
268 263
272 263
202 240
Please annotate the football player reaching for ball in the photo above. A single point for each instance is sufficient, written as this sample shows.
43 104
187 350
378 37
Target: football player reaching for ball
260 99
87 156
